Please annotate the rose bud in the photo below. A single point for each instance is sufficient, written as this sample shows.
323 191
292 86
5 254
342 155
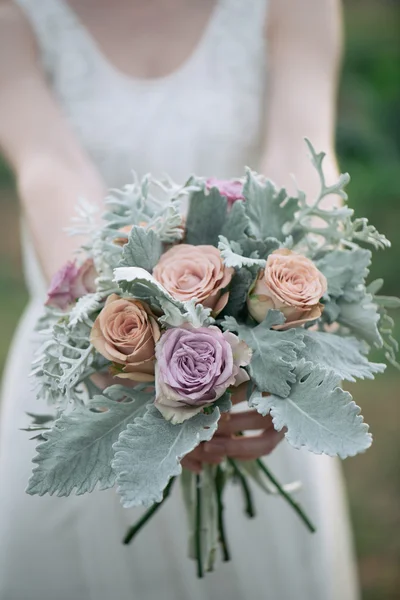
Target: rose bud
290 283
188 272
125 332
70 283
232 189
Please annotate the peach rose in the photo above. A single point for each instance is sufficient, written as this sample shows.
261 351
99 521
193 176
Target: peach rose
290 283
188 272
125 332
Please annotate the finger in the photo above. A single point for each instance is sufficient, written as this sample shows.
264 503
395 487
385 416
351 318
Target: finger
243 421
246 447
213 458
191 464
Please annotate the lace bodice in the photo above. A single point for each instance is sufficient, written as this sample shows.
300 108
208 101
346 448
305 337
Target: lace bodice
205 117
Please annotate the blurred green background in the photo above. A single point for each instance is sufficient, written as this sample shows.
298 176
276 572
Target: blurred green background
368 144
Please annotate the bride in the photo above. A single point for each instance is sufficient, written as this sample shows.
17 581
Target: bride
90 89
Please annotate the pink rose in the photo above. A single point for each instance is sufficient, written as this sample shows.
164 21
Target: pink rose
232 189
125 332
195 367
71 283
188 272
290 283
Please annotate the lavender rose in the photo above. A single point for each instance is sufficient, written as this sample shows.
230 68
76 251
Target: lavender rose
71 283
232 189
125 332
290 283
195 367
187 272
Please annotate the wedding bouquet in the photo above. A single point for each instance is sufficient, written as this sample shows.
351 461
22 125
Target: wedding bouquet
253 288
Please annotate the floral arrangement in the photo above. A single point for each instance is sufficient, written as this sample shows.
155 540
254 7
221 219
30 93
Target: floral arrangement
253 288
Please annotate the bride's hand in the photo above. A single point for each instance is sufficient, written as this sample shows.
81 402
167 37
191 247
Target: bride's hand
228 441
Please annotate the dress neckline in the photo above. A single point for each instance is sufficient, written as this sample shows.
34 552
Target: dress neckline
180 70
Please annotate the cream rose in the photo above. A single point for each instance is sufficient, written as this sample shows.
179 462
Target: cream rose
125 332
195 272
290 283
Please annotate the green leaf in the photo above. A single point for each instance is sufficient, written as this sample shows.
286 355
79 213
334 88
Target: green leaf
239 288
143 249
77 453
206 218
345 272
362 319
344 355
262 248
318 414
267 208
237 223
274 352
148 453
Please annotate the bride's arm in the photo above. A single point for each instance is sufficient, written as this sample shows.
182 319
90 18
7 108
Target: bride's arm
304 43
51 169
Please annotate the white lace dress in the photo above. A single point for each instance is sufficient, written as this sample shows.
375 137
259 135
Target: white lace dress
206 118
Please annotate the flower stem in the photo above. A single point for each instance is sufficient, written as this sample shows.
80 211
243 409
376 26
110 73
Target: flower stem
132 531
198 534
249 506
295 505
219 488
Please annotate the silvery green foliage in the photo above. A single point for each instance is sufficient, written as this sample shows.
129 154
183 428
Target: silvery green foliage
206 218
141 285
237 223
345 271
362 319
148 453
77 452
232 257
339 229
318 414
241 282
275 353
386 323
345 356
143 249
188 312
65 358
85 221
267 208
85 308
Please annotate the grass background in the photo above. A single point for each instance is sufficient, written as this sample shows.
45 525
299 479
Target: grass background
368 144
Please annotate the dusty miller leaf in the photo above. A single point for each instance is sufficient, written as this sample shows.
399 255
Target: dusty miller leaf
237 223
318 414
148 453
274 352
206 218
268 209
230 252
143 249
78 451
362 319
345 272
343 355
